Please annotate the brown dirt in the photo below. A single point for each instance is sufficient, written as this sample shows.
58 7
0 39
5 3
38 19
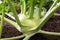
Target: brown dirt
39 36
9 31
9 17
18 10
58 11
53 25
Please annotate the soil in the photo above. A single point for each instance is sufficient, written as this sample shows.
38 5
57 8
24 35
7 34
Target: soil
9 31
18 10
9 18
58 11
39 36
53 25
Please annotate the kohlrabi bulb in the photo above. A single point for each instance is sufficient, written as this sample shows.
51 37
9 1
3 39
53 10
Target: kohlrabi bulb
31 23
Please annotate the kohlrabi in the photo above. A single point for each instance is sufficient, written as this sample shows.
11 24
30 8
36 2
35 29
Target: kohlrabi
32 19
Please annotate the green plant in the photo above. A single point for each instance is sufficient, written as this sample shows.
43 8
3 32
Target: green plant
2 18
30 20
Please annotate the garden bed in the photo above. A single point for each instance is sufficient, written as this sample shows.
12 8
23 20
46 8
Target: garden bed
39 36
53 25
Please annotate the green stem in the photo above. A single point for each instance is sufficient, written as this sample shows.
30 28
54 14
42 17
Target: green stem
13 38
56 14
49 33
12 23
31 9
40 7
2 18
48 15
14 12
28 36
0 29
53 4
23 6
